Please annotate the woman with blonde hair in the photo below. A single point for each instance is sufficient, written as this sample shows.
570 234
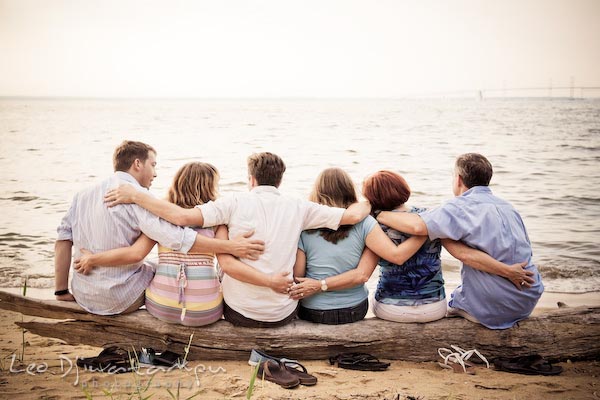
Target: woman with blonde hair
186 288
332 267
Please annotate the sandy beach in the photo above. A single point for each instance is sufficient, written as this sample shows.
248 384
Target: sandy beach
49 372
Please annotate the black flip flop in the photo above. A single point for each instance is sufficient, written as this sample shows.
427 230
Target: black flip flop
358 361
528 365
113 359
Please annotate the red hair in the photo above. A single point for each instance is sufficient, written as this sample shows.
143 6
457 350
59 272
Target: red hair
386 190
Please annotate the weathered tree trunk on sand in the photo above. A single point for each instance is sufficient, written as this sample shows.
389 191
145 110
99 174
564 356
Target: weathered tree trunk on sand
568 333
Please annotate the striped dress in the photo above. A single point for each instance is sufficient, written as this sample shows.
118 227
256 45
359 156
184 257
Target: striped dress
186 288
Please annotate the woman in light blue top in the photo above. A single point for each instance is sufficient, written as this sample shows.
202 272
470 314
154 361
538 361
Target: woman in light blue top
336 263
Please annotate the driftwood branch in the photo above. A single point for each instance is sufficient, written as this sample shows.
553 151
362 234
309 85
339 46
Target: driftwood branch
568 333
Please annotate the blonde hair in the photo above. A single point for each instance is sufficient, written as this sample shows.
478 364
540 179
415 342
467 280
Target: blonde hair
195 183
334 188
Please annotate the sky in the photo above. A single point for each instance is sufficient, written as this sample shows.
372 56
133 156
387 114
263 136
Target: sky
280 48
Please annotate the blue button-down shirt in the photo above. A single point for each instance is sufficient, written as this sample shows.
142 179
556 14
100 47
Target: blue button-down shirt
488 223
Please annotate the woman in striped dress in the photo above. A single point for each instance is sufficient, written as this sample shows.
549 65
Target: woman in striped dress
186 288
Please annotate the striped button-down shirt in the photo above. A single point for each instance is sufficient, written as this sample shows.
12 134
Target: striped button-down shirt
91 225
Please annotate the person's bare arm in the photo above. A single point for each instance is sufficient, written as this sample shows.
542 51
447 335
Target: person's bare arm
307 286
406 222
240 246
245 273
62 263
300 265
383 246
516 273
355 213
125 194
115 257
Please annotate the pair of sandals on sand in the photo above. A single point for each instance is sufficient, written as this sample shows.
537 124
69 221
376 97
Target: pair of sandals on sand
457 359
117 360
285 372
290 373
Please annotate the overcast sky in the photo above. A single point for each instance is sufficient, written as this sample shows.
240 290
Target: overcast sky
279 48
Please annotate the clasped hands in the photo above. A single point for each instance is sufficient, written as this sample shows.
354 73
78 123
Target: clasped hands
296 288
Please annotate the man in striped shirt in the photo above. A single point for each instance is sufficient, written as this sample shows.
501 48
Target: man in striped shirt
90 224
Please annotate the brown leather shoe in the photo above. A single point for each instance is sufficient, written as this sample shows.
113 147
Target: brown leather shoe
275 372
299 370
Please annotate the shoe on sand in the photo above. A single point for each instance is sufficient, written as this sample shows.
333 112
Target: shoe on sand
274 371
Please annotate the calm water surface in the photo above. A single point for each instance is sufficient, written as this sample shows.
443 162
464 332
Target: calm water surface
545 153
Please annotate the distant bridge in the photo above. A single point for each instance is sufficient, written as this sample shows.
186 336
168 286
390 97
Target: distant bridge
549 91
533 91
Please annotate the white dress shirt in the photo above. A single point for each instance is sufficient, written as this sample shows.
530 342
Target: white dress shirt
278 220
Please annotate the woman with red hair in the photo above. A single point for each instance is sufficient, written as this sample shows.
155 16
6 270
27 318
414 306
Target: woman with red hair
412 291
332 267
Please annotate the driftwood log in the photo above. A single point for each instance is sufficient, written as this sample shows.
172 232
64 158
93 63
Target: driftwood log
567 333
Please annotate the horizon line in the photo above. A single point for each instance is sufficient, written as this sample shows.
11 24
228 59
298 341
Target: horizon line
212 98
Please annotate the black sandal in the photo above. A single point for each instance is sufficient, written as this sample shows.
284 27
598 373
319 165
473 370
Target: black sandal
358 361
528 365
113 359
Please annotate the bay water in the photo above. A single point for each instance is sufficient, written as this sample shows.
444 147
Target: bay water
545 153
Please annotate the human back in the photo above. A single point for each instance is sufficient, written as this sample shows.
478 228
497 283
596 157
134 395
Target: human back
98 228
186 288
330 253
90 225
485 222
500 232
277 220
417 281
412 291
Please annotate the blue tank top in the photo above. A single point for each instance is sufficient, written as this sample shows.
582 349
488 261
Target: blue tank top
418 281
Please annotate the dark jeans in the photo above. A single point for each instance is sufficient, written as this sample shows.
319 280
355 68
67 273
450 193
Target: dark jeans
238 319
335 317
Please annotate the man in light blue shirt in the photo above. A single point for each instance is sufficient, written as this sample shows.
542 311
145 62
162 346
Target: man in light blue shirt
483 221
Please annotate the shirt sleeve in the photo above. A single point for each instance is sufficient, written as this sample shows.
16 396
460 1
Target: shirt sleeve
446 222
367 225
166 234
320 216
217 212
65 229
301 242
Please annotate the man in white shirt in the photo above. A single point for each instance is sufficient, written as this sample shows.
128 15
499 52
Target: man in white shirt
255 291
91 225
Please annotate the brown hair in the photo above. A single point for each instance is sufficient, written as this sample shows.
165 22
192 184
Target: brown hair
266 168
474 169
127 152
195 183
386 190
334 188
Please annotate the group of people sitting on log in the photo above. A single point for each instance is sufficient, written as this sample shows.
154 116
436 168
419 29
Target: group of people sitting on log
281 258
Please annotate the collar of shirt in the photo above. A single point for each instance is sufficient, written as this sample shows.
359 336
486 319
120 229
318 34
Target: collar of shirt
124 176
265 189
477 189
